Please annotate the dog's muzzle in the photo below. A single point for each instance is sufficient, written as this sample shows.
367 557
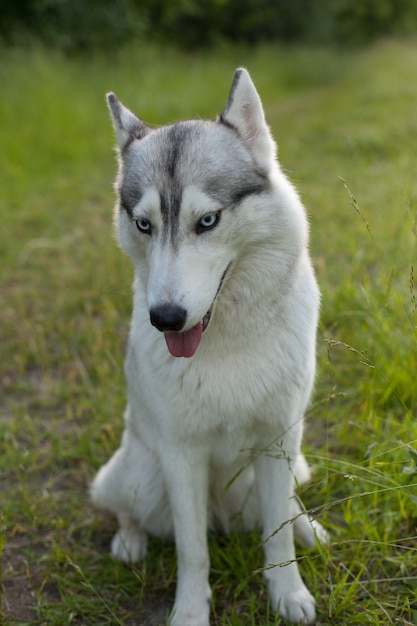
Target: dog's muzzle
170 319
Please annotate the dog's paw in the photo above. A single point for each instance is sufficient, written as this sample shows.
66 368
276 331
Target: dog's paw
192 608
320 533
297 607
129 545
185 618
309 531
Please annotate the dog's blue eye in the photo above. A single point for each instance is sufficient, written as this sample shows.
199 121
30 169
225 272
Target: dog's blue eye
144 226
208 221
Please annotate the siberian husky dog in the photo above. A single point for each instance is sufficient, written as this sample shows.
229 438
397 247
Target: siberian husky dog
221 355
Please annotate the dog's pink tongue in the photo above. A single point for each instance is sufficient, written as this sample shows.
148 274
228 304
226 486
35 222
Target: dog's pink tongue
184 344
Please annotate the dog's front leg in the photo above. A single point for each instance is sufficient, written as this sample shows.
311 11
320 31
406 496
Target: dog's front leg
288 593
186 477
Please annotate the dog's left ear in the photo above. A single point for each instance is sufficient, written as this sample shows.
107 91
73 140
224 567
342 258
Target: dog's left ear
126 125
245 114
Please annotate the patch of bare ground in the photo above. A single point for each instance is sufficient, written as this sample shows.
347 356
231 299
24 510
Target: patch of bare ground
26 584
21 579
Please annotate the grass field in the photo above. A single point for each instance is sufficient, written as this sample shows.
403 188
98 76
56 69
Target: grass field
346 125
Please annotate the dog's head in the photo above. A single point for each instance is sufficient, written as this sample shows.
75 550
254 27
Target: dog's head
180 190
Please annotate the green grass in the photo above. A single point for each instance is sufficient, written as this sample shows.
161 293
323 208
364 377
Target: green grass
346 126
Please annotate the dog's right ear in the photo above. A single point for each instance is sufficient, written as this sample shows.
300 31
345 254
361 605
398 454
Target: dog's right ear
126 124
244 113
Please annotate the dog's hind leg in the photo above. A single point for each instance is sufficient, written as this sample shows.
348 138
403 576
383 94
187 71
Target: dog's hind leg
306 529
131 486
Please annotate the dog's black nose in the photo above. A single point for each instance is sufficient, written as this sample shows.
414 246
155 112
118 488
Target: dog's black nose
168 317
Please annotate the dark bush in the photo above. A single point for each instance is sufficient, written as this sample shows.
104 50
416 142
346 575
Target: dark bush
86 24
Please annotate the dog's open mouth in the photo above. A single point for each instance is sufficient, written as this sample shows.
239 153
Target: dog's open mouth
185 343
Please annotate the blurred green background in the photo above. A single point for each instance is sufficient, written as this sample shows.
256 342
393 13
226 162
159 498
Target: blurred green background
81 25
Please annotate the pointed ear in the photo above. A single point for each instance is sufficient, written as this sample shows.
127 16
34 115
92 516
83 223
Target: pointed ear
244 112
126 124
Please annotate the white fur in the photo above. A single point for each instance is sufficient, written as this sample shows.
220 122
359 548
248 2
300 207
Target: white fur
214 441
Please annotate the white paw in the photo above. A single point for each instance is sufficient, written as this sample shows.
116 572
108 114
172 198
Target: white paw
187 618
298 606
309 531
320 533
129 545
192 608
